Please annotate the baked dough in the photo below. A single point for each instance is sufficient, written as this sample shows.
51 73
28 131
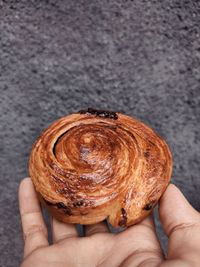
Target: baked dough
97 164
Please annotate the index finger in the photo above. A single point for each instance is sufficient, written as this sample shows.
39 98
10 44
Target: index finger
33 225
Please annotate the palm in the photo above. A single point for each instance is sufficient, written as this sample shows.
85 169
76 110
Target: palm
136 246
100 249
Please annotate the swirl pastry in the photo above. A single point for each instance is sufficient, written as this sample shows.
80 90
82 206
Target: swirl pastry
95 164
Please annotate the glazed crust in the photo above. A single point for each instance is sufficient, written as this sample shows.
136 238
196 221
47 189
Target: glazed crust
94 164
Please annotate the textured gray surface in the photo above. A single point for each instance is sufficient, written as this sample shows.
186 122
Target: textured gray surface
138 57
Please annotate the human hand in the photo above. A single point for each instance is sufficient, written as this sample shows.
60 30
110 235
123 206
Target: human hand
138 245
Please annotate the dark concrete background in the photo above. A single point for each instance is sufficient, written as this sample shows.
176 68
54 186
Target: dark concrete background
137 57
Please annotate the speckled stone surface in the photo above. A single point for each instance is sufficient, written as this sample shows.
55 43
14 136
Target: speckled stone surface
137 57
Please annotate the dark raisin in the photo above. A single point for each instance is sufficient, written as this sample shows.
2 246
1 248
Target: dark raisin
68 212
101 113
79 203
122 223
149 206
48 203
61 205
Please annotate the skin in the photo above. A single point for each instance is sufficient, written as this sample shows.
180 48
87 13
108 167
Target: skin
136 246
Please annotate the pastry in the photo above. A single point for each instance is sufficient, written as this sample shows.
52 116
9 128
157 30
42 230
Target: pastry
97 164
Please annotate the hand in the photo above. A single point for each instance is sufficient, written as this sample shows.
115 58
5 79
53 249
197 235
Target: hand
136 246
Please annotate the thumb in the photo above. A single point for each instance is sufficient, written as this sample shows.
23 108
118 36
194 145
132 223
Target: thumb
181 223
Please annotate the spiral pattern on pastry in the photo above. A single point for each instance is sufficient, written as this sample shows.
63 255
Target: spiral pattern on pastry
95 164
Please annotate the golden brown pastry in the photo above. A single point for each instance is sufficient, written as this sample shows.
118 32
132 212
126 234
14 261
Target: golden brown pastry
95 164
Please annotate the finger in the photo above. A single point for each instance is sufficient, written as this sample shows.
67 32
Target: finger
34 229
148 222
144 235
138 245
146 229
181 223
100 227
62 230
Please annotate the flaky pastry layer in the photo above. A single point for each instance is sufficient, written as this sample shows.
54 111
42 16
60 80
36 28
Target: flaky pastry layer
96 164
